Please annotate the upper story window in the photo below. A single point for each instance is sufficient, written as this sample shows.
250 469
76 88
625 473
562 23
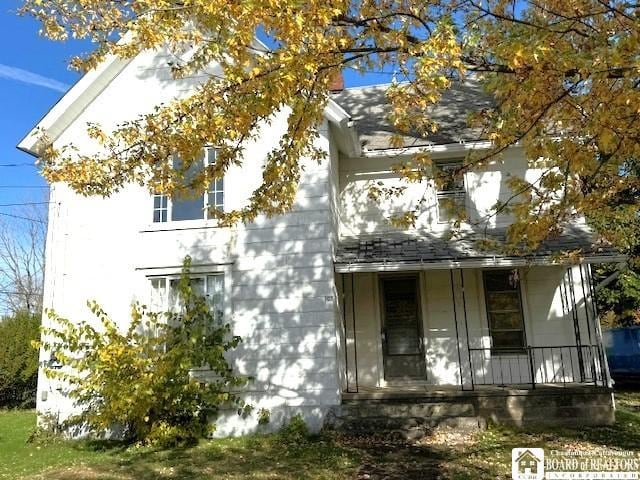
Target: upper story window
504 310
166 209
451 195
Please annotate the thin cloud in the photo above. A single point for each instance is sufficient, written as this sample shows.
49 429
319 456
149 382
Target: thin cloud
25 76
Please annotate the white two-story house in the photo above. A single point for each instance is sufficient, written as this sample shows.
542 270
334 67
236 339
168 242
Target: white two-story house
334 305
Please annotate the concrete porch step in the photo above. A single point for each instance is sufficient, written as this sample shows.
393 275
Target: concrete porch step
404 410
409 421
377 424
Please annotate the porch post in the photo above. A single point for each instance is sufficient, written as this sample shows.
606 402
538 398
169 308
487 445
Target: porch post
576 322
455 321
355 334
351 351
604 363
466 327
588 319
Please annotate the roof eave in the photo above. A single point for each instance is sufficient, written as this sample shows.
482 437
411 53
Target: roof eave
72 104
345 127
79 96
446 264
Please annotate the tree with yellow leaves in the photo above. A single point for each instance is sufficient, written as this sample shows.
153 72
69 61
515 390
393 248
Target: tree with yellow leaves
565 76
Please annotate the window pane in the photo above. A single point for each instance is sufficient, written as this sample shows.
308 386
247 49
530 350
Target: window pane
158 290
451 184
215 285
507 340
212 154
190 207
506 321
450 205
216 195
500 280
174 301
219 200
187 210
503 301
197 286
215 296
159 208
196 166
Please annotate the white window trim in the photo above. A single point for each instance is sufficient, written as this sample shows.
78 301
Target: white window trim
187 224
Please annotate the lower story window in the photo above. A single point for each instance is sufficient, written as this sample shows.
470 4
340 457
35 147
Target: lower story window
504 309
164 293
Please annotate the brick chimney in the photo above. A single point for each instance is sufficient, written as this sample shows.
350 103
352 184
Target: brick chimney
337 82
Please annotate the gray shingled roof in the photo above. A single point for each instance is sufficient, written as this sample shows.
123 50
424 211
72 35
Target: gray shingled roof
369 107
432 247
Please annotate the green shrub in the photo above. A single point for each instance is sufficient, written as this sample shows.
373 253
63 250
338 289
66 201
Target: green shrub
18 360
295 432
264 416
47 430
142 381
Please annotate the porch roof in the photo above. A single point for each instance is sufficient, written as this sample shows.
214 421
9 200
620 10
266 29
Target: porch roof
424 251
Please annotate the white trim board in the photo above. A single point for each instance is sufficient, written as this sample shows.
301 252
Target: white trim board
481 263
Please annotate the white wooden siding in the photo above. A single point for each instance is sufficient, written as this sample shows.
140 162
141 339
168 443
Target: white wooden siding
279 271
360 215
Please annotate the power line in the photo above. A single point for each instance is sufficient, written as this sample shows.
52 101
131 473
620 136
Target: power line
24 186
18 164
21 204
9 292
20 217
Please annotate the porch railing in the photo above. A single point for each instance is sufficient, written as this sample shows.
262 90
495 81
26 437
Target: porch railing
530 366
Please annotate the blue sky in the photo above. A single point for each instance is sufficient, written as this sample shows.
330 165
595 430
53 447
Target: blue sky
33 76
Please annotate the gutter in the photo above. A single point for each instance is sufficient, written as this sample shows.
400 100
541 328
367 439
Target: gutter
495 262
452 148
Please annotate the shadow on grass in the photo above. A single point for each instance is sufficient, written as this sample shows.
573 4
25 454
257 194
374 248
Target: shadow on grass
249 457
487 454
444 455
490 455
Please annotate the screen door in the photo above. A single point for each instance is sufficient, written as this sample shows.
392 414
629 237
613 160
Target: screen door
402 332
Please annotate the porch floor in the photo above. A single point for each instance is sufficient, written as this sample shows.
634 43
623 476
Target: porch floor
416 392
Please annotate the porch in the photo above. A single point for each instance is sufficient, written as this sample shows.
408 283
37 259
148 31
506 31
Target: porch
415 393
416 410
451 324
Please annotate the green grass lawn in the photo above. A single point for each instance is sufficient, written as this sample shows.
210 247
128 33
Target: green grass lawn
18 458
252 457
445 455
